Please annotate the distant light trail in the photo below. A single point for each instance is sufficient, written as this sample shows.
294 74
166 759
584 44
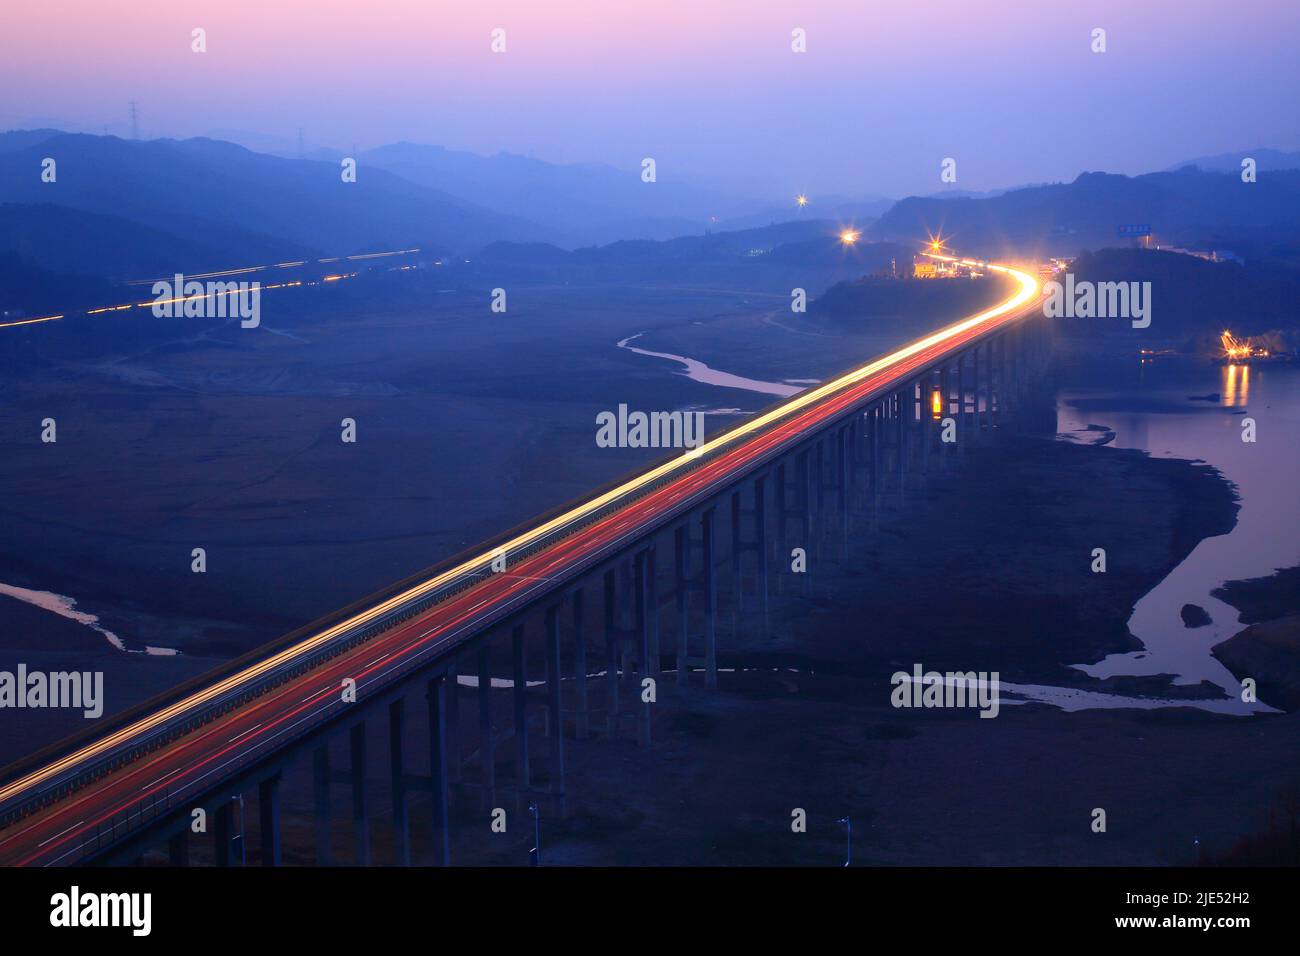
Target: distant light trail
44 318
213 275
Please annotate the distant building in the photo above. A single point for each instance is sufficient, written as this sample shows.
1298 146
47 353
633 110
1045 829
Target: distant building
926 268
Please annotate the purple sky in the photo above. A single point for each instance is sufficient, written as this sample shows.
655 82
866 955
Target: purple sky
710 88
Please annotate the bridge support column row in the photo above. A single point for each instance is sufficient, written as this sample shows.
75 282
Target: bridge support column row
758 544
223 827
706 584
355 778
268 810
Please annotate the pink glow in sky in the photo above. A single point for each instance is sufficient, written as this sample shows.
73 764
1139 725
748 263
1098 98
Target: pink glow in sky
708 87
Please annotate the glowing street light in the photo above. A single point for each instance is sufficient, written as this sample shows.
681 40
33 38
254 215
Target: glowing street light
801 200
850 236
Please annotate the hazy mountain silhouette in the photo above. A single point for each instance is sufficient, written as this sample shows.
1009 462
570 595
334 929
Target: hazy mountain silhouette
1265 160
27 290
92 244
591 203
783 256
225 195
721 245
1183 208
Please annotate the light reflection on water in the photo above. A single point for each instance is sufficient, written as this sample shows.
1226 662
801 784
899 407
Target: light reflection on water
1166 412
1236 385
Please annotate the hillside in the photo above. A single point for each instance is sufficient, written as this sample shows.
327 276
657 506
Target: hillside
92 244
587 203
1186 208
1192 300
226 196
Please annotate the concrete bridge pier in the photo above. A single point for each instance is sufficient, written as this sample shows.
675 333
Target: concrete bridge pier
650 652
778 494
995 345
268 810
757 543
710 588
451 726
178 848
842 472
875 422
323 778
737 549
926 390
579 710
555 738
681 591
613 655
438 699
357 779
401 808
223 834
706 583
803 510
645 614
628 647
321 804
922 425
963 423
900 443
819 449
487 745
760 544
1021 369
519 675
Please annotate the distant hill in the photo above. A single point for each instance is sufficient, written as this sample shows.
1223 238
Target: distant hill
587 203
71 240
226 196
1192 300
779 257
909 306
27 290
1266 160
846 211
1183 208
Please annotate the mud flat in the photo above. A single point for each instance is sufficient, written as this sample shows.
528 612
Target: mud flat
985 569
1269 649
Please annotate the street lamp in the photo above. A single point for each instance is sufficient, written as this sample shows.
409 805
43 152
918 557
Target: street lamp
535 854
848 839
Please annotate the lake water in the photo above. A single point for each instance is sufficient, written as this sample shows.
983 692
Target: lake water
699 372
1169 409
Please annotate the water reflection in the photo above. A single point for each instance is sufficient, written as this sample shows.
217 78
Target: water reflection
1236 385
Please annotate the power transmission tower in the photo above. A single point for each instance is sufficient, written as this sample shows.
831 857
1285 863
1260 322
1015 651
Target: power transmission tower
135 122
